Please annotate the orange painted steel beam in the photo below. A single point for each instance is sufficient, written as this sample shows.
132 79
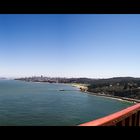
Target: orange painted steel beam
112 119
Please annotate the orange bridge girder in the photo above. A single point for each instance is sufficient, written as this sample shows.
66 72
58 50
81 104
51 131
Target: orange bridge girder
126 117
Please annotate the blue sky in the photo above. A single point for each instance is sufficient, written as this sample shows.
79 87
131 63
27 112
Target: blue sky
70 45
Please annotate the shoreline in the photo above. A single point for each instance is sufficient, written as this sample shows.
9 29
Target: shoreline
130 100
83 88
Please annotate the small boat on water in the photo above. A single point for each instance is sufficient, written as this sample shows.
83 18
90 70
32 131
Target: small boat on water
61 90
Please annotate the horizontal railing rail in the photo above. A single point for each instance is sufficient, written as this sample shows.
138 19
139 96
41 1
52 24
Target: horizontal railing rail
126 117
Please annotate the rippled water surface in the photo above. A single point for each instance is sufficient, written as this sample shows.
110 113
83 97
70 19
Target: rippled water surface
27 103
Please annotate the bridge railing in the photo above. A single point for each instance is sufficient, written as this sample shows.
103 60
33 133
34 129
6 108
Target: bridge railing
126 117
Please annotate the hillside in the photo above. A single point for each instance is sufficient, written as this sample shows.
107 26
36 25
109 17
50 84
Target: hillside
118 86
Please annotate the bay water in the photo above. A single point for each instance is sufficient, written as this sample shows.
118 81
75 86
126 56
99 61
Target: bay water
51 104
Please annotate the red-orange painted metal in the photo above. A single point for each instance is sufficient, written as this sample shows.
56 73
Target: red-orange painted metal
113 119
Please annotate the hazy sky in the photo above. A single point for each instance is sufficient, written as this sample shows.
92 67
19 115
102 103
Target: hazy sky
70 45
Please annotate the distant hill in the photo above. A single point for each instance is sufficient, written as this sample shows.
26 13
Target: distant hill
57 80
116 86
117 79
3 78
79 80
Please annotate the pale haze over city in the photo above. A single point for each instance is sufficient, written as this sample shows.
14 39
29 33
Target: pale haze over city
69 45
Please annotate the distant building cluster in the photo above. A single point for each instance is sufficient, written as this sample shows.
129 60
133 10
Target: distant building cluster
55 79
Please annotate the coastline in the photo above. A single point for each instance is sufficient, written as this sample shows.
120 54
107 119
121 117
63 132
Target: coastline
130 100
83 88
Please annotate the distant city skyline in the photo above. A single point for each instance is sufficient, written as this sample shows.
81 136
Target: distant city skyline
70 45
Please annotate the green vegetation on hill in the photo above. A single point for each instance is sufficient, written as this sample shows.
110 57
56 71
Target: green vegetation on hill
122 86
119 86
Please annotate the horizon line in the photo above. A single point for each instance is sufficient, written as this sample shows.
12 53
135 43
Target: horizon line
15 77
